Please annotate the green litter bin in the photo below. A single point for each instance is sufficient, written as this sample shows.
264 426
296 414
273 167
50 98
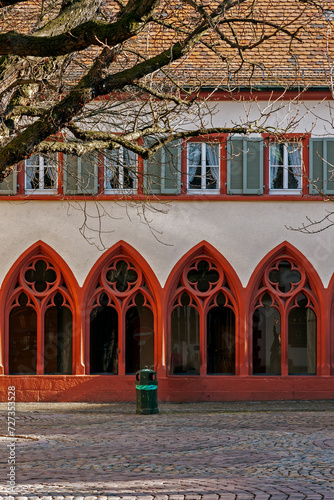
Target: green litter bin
147 392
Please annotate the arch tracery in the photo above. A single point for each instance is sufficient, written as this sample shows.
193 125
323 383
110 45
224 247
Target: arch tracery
123 338
285 311
202 319
39 319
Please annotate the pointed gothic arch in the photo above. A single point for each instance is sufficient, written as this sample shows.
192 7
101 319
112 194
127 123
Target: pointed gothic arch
202 314
122 301
39 298
286 297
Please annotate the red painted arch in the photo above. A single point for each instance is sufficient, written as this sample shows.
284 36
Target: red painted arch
287 249
204 248
71 283
123 248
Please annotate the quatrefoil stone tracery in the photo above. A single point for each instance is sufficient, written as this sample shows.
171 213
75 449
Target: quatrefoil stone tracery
121 276
284 277
40 276
203 276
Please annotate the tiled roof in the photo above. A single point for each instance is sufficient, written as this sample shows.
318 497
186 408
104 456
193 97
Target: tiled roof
304 60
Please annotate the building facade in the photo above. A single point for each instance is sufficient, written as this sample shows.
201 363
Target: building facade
194 267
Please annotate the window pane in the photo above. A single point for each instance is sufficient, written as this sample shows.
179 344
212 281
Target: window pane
58 340
221 340
276 177
139 338
212 154
22 341
195 177
49 180
129 169
294 178
266 340
276 154
112 169
302 350
112 177
194 153
104 340
294 154
212 176
185 341
194 165
32 177
128 179
33 160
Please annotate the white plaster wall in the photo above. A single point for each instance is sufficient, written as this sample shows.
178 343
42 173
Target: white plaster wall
315 117
289 116
244 232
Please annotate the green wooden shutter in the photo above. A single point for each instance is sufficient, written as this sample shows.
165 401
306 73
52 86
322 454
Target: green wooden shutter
235 160
316 147
88 174
9 185
152 170
253 167
244 166
80 174
171 168
321 166
71 178
328 167
162 172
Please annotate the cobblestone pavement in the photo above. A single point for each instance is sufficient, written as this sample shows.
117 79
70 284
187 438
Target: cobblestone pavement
199 451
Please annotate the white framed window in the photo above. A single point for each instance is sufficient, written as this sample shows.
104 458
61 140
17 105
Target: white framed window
120 171
285 168
203 167
41 174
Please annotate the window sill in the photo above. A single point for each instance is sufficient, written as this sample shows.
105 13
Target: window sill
43 192
120 192
208 192
276 192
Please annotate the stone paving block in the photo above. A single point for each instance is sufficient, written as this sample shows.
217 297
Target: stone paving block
192 452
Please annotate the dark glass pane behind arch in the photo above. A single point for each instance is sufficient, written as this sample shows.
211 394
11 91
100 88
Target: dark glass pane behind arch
185 353
302 339
139 337
266 341
104 340
221 341
22 340
58 340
